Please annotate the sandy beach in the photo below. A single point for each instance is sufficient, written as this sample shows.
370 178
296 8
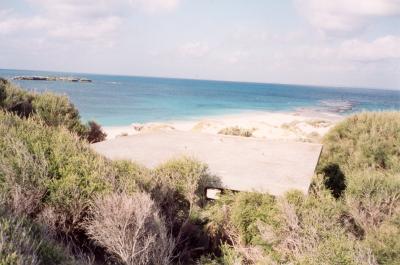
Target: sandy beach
302 125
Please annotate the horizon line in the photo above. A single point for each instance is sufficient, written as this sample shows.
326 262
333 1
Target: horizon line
212 80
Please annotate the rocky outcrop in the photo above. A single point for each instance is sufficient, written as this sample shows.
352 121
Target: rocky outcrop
53 78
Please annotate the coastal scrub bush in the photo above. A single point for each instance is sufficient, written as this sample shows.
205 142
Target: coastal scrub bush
95 133
3 94
384 241
311 230
131 229
240 222
187 176
131 177
365 150
57 110
373 198
15 100
179 190
364 141
350 216
45 168
24 243
54 110
237 131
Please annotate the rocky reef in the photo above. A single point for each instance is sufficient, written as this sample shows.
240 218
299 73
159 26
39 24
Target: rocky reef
53 78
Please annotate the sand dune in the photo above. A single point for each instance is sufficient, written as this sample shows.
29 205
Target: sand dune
308 126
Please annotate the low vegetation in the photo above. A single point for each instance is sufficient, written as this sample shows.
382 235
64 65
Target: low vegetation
350 216
53 110
25 243
61 203
237 131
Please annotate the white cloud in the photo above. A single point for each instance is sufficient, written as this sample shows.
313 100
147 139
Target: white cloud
236 56
87 30
94 21
345 15
11 22
100 8
153 6
194 49
384 48
380 50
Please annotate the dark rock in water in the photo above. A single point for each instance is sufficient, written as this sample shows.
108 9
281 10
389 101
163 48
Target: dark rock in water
52 78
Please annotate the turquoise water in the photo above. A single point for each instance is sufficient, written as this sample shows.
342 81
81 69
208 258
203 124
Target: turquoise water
122 100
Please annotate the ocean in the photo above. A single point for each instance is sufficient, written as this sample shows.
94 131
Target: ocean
113 100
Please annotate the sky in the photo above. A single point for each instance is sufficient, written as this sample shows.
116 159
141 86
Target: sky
353 43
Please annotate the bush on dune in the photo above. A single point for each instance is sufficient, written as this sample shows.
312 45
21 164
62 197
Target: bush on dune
240 221
53 110
95 134
45 167
15 100
188 176
237 131
54 178
179 191
131 177
350 215
57 111
366 148
24 243
366 141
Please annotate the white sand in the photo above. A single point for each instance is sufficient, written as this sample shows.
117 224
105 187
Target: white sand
301 125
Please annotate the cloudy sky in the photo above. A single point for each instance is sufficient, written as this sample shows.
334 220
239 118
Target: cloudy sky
321 42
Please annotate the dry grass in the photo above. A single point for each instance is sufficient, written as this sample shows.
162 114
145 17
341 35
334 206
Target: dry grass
319 123
237 131
291 126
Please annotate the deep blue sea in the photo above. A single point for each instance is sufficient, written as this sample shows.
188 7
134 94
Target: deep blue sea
121 100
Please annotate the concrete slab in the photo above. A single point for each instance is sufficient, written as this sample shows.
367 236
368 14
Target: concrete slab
243 164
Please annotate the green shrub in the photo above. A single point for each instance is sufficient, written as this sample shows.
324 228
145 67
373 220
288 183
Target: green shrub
365 150
11 95
131 177
308 222
187 176
54 110
336 249
364 141
25 243
18 246
61 171
237 131
179 191
373 197
57 110
248 210
384 242
240 222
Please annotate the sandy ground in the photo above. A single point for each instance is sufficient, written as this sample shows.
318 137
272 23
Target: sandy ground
302 125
